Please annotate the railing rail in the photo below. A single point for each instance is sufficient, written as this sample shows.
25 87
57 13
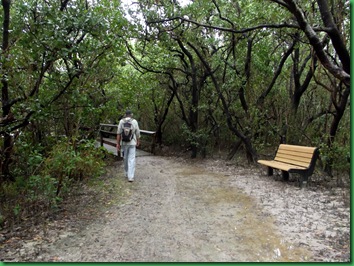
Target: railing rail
111 130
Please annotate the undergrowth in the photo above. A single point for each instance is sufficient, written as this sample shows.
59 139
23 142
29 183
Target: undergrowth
52 177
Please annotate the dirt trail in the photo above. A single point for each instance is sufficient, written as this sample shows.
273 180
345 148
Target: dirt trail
183 211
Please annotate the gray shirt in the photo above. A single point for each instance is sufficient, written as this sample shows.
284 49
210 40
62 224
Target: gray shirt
136 130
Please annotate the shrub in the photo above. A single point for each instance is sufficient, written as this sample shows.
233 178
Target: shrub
67 163
44 184
336 157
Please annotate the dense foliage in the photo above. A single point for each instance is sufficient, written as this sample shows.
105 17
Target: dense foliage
237 76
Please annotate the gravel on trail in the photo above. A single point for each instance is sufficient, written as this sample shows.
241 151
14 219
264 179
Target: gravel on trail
180 210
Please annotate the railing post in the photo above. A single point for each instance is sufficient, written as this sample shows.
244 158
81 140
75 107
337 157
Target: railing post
153 143
101 137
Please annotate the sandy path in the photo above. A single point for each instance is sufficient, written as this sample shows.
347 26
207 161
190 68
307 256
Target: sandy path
178 210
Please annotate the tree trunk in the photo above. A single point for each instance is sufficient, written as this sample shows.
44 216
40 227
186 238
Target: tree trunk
159 120
340 109
232 125
299 89
6 107
193 110
234 149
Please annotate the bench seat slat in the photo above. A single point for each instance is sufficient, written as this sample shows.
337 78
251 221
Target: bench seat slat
281 165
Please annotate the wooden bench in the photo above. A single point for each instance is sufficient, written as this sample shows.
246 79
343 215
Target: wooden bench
293 159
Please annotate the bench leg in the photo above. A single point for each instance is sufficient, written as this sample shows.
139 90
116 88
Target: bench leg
303 184
270 171
303 181
285 175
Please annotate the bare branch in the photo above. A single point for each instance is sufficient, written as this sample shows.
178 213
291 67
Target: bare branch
245 30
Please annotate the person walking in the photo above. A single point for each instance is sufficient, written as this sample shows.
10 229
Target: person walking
128 138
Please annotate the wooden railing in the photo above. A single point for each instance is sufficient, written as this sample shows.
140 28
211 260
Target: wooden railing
108 130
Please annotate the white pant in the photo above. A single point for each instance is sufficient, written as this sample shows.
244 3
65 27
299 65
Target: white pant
129 160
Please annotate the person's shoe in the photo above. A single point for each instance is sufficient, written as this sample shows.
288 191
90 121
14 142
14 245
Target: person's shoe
130 180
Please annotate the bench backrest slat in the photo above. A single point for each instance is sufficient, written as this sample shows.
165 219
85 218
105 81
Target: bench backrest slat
295 163
297 148
296 155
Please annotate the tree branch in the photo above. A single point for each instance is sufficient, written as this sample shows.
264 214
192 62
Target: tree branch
316 43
